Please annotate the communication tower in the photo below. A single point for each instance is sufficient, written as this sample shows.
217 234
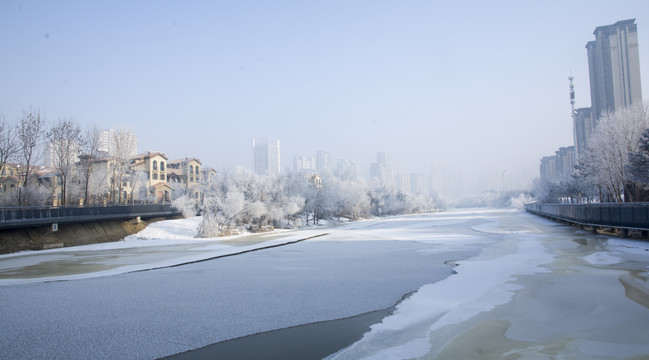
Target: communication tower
572 94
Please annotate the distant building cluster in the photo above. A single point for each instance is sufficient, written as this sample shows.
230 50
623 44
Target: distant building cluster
323 163
615 83
384 172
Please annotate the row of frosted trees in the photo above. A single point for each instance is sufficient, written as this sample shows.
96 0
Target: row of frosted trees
614 166
237 199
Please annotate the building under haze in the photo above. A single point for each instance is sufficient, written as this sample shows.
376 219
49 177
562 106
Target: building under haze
303 163
614 67
112 141
382 171
323 161
583 128
346 169
265 156
560 167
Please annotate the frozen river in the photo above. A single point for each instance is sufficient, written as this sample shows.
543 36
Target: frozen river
482 284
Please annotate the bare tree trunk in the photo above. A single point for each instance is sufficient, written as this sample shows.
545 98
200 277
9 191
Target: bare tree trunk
30 135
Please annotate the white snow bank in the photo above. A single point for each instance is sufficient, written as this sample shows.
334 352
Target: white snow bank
480 284
185 229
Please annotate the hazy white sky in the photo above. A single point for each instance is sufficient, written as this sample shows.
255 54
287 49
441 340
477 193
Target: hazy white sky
476 86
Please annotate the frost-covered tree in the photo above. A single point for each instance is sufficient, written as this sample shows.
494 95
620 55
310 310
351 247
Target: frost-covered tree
186 205
638 167
223 207
238 199
349 197
606 156
123 148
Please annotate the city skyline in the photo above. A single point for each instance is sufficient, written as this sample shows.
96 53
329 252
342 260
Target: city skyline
615 84
200 80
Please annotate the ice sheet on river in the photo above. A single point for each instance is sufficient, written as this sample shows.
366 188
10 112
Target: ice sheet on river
524 286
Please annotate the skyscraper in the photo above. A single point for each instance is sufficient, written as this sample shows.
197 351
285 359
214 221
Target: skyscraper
614 67
323 161
382 170
265 156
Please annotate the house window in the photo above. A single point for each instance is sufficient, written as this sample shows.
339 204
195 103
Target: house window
162 177
155 165
196 170
155 176
162 166
191 169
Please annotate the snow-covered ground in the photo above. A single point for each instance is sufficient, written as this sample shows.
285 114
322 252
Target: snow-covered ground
484 283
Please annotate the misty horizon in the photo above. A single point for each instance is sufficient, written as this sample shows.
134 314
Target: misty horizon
479 91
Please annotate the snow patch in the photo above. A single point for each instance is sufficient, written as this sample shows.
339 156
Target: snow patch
479 285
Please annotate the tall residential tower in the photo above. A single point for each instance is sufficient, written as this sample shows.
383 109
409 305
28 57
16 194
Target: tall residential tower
614 67
265 156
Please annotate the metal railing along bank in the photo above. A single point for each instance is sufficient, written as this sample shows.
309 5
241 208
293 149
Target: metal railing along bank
15 217
630 216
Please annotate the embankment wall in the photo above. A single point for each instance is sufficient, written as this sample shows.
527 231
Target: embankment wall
70 234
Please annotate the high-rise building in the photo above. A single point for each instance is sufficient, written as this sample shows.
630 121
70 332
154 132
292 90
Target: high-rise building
117 140
382 170
614 67
560 167
303 163
582 127
346 169
323 161
61 150
265 156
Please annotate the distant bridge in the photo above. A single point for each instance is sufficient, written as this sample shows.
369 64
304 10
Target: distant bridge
27 216
619 216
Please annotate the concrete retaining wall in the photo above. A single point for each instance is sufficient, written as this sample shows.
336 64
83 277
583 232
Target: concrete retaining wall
72 234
